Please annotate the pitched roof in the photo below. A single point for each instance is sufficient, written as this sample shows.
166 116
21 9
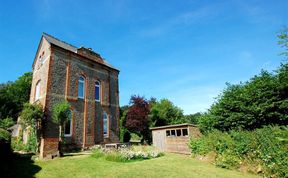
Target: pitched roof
69 47
59 43
172 126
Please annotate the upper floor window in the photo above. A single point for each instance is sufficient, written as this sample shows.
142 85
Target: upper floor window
97 91
81 87
105 125
37 90
68 126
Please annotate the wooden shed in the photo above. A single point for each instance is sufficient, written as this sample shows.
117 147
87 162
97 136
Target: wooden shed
174 138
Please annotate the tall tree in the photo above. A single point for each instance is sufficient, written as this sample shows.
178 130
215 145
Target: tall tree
13 95
283 40
165 112
137 117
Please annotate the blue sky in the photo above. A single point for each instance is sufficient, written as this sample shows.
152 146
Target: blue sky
181 50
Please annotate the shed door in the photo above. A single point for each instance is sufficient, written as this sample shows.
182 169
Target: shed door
160 139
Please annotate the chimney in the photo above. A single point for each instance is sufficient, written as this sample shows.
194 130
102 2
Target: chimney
89 53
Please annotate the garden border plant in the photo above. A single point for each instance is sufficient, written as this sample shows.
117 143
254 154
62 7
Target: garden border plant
126 154
263 150
31 121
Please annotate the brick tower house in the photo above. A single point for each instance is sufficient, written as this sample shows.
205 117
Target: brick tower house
83 78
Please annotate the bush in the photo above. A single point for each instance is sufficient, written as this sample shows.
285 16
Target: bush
268 146
228 159
6 123
5 136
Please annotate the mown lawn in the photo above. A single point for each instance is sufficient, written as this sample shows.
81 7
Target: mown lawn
170 165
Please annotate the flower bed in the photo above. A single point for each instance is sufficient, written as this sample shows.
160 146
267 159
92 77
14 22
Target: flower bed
124 153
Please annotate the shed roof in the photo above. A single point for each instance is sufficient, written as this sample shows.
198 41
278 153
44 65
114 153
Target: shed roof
172 126
52 40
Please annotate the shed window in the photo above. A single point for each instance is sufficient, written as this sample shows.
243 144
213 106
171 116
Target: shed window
68 126
184 132
178 131
173 133
167 133
97 91
81 87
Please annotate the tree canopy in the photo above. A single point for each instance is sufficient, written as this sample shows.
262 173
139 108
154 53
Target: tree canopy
13 95
165 112
137 116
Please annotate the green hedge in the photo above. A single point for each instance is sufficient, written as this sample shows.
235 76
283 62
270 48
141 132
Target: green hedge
267 147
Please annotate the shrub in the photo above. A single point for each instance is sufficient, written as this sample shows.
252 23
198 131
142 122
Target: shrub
228 159
17 142
4 136
267 145
6 123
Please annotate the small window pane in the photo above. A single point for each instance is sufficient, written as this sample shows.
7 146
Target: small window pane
105 124
167 133
37 92
178 132
185 132
81 87
173 133
97 91
68 125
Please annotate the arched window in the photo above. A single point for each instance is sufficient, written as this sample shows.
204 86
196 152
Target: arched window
68 126
105 125
37 90
97 91
81 87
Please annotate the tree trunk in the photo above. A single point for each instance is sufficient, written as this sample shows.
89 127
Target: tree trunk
61 135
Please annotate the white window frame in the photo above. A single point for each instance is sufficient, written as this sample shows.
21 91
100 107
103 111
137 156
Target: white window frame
98 84
107 117
83 83
37 90
71 124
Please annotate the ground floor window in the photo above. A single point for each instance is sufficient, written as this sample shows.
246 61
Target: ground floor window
105 125
68 126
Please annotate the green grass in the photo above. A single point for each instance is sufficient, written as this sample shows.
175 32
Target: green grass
169 165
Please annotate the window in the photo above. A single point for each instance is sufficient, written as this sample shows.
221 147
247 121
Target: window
173 133
178 131
37 90
167 133
184 132
81 87
41 58
68 126
97 91
105 125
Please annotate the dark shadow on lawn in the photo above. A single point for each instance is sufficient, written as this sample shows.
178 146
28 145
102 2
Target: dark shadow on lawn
18 166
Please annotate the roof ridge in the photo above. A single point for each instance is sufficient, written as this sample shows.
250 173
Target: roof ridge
46 34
